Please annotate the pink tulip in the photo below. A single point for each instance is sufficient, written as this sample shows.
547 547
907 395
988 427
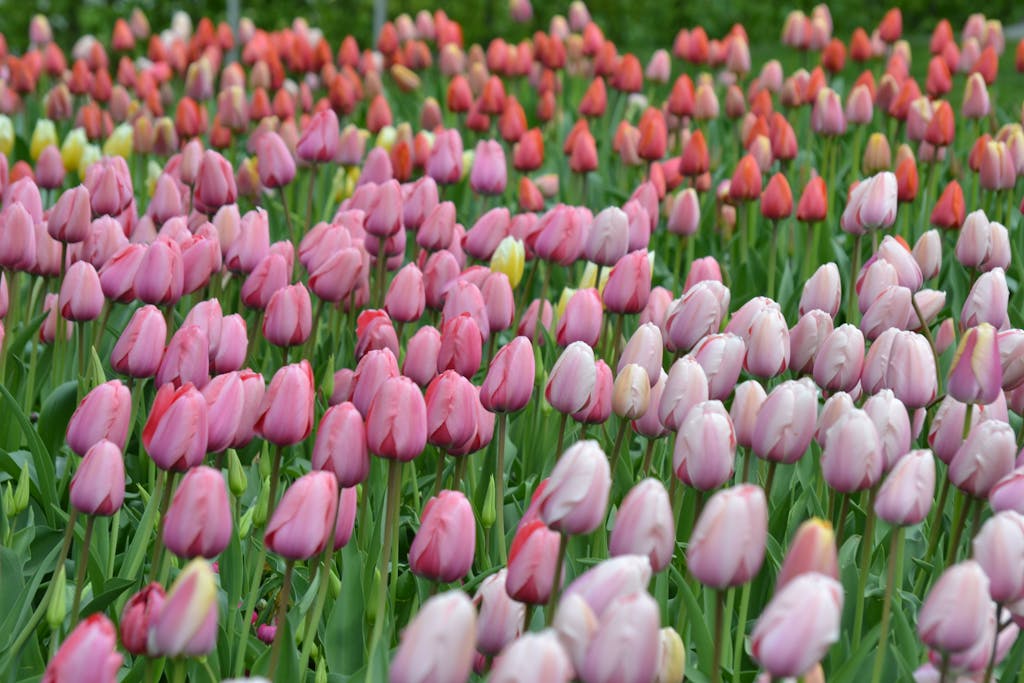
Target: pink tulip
444 164
176 434
215 183
187 622
852 458
276 164
88 655
437 644
451 411
561 235
104 413
508 385
629 284
798 626
461 345
581 320
891 309
531 562
500 618
253 389
139 612
186 359
901 361
286 410
252 243
624 647
232 346
721 357
421 355
198 520
443 548
721 559
985 457
419 199
71 217
406 297
320 140
17 238
987 301
396 422
303 522
576 497
489 174
806 339
1006 494
976 373
705 447
813 549
785 423
999 549
954 612
288 319
840 359
695 315
746 404
906 495
608 239
872 205
644 525
110 186
532 657
160 278
572 378
340 445
225 401
465 297
98 485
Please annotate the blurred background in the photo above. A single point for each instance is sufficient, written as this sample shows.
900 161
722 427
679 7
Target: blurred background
637 25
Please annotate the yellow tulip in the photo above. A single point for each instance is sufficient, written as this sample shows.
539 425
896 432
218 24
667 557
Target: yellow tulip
467 162
589 278
386 138
44 135
153 172
602 280
563 301
90 155
72 149
510 258
120 142
672 667
6 135
344 183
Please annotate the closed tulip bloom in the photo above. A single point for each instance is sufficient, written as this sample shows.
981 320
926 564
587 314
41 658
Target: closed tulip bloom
288 319
384 209
872 204
98 485
406 298
721 358
198 521
71 217
746 404
908 272
373 369
813 204
631 392
233 345
728 542
139 612
286 411
396 421
822 291
303 522
160 278
976 374
946 432
705 447
975 242
509 381
572 378
852 457
252 243
437 645
985 457
767 344
892 422
461 346
777 198
320 141
340 445
560 235
987 301
444 164
625 646
813 549
644 348
576 496
928 254
464 297
1011 357
999 549
954 612
500 618
276 164
608 238
81 297
104 413
451 411
225 402
533 657
581 320
531 563
421 352
840 359
806 338
176 431
187 622
1006 494
186 359
786 422
215 183
798 626
695 315
88 655
443 548
745 184
908 491
644 525
901 361
489 174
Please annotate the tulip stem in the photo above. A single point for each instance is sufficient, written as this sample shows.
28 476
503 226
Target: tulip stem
282 614
933 536
616 341
990 668
895 550
324 575
499 488
390 520
742 629
772 258
561 434
867 542
439 475
851 302
617 446
556 585
645 470
719 636
927 332
841 523
309 196
958 530
287 215
275 474
772 466
83 562
33 621
158 545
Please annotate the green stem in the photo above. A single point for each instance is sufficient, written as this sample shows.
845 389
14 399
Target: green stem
179 675
851 290
843 509
282 614
287 215
324 575
617 446
158 544
390 522
561 434
556 586
772 257
895 550
772 466
990 668
645 469
868 542
958 530
499 489
83 562
716 663
250 609
742 626
927 332
275 474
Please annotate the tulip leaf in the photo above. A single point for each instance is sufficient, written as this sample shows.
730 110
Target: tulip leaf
11 464
112 589
345 630
45 474
56 413
695 615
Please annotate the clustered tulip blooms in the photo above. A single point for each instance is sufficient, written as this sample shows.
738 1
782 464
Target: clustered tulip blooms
414 358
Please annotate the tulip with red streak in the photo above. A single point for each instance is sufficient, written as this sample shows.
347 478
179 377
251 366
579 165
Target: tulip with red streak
198 520
139 612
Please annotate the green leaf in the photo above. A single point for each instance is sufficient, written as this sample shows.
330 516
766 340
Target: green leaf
699 631
112 589
46 476
345 629
56 413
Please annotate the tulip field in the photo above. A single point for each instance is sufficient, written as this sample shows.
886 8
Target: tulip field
326 358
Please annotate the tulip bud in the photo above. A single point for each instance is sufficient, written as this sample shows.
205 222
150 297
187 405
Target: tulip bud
705 447
976 373
198 520
798 625
304 521
717 559
91 647
446 652
561 507
644 525
187 623
985 457
97 487
443 548
954 612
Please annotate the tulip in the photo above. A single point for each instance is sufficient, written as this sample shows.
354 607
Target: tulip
928 254
187 622
906 495
160 278
822 291
892 422
532 559
533 657
799 625
396 421
767 344
1005 495
139 612
198 520
98 485
572 378
70 217
576 495
18 247
215 183
985 457
872 204
852 457
451 411
186 359
720 560
461 345
840 359
286 411
785 423
509 381
104 414
954 612
987 301
721 358
999 549
276 164
303 522
500 618
976 373
288 318
428 652
489 174
625 644
233 344
581 320
705 447
695 315
644 525
320 141
443 548
901 361
89 654
806 338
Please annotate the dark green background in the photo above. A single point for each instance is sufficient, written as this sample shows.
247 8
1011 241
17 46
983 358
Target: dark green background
638 25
